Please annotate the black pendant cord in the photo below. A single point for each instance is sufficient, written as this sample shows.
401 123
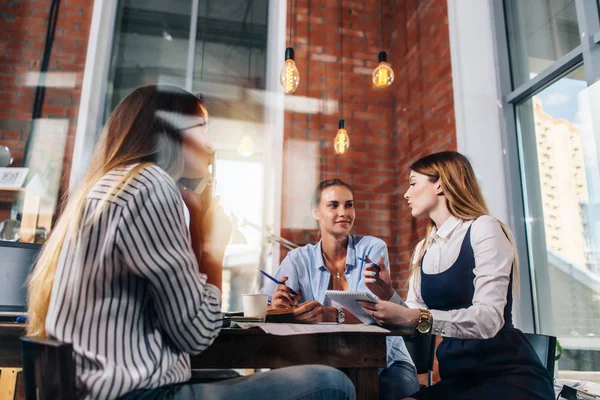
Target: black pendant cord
291 24
251 45
40 90
206 8
381 16
341 63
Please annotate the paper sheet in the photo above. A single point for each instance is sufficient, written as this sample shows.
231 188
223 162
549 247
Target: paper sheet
304 329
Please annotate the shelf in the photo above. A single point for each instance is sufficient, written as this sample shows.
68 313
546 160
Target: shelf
9 195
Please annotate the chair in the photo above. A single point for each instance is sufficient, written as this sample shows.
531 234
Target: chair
545 348
48 369
212 375
422 351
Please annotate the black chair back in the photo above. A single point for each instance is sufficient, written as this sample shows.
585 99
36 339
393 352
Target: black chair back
545 348
48 369
422 351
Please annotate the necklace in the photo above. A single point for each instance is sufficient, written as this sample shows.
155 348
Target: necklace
337 274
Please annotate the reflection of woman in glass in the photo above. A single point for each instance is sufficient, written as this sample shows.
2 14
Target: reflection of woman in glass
124 281
334 264
461 289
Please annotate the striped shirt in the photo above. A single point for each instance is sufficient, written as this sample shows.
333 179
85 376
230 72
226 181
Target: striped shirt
128 294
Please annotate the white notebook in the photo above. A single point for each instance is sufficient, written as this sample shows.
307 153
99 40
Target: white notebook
348 301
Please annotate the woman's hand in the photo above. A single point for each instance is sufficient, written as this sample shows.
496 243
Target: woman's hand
312 312
208 222
378 280
388 313
282 297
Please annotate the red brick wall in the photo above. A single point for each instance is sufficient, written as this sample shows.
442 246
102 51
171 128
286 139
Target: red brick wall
22 39
369 166
388 129
424 108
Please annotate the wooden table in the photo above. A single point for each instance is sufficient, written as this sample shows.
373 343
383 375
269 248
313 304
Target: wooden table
359 355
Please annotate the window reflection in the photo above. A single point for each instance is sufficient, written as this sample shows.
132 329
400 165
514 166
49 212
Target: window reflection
559 140
539 33
224 59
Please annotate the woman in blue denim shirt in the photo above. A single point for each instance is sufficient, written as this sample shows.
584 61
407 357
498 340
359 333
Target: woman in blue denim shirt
333 264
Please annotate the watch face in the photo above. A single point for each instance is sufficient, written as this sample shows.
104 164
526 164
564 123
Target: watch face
341 317
423 326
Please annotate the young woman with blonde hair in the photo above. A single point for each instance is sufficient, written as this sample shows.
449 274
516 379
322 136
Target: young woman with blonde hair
335 263
461 287
124 280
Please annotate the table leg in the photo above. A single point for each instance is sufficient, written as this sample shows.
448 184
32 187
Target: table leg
366 382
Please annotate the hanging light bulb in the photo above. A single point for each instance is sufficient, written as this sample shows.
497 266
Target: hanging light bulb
341 143
383 75
290 77
245 146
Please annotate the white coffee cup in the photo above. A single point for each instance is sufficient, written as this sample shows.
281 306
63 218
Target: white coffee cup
255 305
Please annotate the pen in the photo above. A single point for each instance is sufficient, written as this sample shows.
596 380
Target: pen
277 282
366 259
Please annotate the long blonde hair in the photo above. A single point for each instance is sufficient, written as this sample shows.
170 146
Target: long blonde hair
463 199
144 129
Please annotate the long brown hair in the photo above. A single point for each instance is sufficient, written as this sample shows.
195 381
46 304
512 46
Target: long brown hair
144 129
463 199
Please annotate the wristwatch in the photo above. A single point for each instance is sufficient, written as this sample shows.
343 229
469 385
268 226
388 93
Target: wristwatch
425 322
340 315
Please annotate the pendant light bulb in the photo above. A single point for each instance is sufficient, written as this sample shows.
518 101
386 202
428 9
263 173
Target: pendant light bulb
290 77
341 143
245 147
383 75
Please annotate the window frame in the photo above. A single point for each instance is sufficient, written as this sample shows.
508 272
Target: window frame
95 89
532 242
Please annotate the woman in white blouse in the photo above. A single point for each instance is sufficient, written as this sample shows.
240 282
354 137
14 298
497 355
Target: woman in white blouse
460 287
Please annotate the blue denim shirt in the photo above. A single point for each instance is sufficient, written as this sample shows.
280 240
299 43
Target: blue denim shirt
306 273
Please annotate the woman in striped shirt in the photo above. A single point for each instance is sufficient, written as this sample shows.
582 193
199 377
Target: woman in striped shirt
124 280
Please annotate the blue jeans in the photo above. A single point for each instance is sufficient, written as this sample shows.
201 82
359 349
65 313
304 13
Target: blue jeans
306 382
398 381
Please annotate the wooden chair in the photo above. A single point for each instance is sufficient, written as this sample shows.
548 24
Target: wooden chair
422 351
48 369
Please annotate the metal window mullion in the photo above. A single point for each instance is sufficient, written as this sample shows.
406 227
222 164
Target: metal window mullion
191 58
528 303
548 76
588 18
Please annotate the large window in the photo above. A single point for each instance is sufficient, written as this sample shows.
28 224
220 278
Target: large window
541 32
555 97
219 50
93 54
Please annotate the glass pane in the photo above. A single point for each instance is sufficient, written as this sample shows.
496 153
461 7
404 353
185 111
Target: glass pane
38 114
560 152
539 33
151 46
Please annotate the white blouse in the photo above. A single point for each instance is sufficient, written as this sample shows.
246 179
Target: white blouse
493 264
